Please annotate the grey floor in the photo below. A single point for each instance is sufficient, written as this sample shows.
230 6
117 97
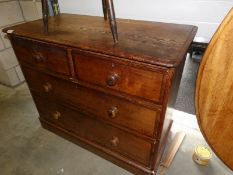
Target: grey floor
185 98
28 149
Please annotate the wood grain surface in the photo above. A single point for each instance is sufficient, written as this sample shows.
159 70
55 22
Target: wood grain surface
115 139
214 92
129 115
150 42
174 147
109 98
146 84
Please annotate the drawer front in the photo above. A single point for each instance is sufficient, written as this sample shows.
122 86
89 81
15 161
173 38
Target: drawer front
106 107
42 56
109 137
127 79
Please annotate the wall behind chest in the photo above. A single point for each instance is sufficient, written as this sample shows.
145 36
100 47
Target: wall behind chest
206 14
14 12
10 72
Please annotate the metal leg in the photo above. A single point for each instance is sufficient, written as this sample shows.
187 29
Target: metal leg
45 15
104 3
112 19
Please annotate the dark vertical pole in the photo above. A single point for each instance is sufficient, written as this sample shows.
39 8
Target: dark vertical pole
45 13
105 11
112 19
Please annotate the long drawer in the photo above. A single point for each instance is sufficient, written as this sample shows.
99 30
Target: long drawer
120 76
41 55
101 105
105 135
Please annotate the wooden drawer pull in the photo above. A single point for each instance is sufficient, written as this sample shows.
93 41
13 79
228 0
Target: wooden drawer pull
56 115
47 87
112 79
115 141
39 57
112 112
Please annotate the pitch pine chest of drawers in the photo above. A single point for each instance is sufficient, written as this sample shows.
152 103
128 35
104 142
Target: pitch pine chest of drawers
109 98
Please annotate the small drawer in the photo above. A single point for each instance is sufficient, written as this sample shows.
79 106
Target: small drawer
109 73
105 107
42 56
102 134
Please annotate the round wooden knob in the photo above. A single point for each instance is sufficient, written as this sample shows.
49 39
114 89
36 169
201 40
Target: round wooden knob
115 141
47 87
39 57
112 79
112 112
56 115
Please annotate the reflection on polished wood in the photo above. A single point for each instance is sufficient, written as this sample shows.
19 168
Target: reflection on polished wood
214 92
108 10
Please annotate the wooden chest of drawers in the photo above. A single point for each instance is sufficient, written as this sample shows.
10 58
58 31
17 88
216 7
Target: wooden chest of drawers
108 98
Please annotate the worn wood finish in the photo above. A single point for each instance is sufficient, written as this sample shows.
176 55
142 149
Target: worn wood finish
159 43
127 114
112 156
42 56
110 99
214 97
174 147
119 76
108 10
114 139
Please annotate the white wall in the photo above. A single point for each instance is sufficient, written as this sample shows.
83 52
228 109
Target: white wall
10 72
31 9
13 12
206 14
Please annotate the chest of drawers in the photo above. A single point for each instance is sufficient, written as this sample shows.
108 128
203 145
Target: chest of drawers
109 98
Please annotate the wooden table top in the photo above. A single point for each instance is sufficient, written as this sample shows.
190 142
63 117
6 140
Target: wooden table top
214 92
149 42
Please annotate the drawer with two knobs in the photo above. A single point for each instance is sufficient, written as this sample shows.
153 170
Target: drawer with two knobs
132 79
107 136
120 112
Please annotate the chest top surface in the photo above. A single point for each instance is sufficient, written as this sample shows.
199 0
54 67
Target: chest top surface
154 43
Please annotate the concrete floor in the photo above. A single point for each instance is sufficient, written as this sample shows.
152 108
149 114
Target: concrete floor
185 98
28 149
